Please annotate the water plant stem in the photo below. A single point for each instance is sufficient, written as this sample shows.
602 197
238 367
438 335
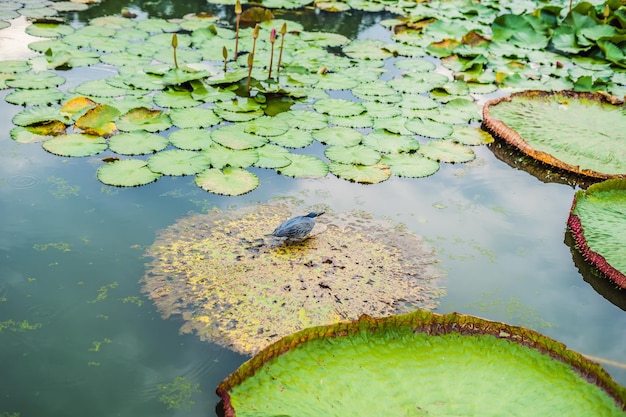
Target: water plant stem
272 41
238 11
283 30
255 35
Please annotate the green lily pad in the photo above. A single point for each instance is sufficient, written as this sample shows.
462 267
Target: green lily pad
127 173
171 98
40 114
75 144
303 166
360 121
35 80
429 128
178 162
357 154
48 30
193 139
272 156
411 165
470 136
598 221
13 66
194 117
35 97
386 142
447 151
266 126
364 174
337 135
143 118
137 143
338 107
304 119
235 137
352 365
578 132
227 181
221 156
100 88
294 138
378 110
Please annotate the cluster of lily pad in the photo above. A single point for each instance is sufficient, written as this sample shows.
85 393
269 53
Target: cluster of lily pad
405 126
39 9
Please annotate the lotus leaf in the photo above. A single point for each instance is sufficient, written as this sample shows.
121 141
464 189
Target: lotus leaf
472 367
137 143
303 166
98 120
75 144
367 49
579 132
364 174
204 266
410 165
194 117
336 81
193 139
266 126
126 173
35 80
393 125
143 118
378 110
227 181
357 154
429 128
338 107
385 142
447 151
418 102
48 30
178 162
35 97
337 135
235 137
598 221
100 88
221 156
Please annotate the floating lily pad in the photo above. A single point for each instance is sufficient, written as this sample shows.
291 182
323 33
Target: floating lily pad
227 181
35 97
98 120
272 156
143 118
266 126
338 135
193 139
175 99
194 117
410 165
221 156
468 135
178 162
302 166
235 137
304 119
447 151
234 291
75 144
294 138
357 154
386 142
40 114
429 128
137 143
598 221
127 173
339 107
364 174
473 367
35 80
579 132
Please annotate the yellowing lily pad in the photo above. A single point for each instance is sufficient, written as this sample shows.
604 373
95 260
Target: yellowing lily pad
98 120
143 118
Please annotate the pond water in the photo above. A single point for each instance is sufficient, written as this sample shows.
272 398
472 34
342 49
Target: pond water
79 338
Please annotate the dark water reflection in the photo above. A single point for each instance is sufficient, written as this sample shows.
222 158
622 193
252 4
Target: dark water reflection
85 341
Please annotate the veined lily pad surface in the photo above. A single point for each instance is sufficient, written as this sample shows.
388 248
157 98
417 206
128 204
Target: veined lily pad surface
235 286
420 364
598 221
582 133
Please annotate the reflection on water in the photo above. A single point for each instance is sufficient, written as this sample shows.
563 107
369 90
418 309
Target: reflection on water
78 338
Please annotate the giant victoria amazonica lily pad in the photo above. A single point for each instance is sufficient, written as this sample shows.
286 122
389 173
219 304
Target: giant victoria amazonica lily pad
420 364
583 133
598 222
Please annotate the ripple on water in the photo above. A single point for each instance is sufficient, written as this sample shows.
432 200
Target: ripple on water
23 181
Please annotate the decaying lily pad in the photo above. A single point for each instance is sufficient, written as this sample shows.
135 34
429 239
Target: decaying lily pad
577 132
598 222
234 286
420 364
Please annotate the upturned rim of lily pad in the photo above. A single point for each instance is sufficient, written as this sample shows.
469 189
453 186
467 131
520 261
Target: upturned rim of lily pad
575 224
430 324
501 130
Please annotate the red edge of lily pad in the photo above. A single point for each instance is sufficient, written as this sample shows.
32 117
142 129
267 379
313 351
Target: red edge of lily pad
594 258
432 324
